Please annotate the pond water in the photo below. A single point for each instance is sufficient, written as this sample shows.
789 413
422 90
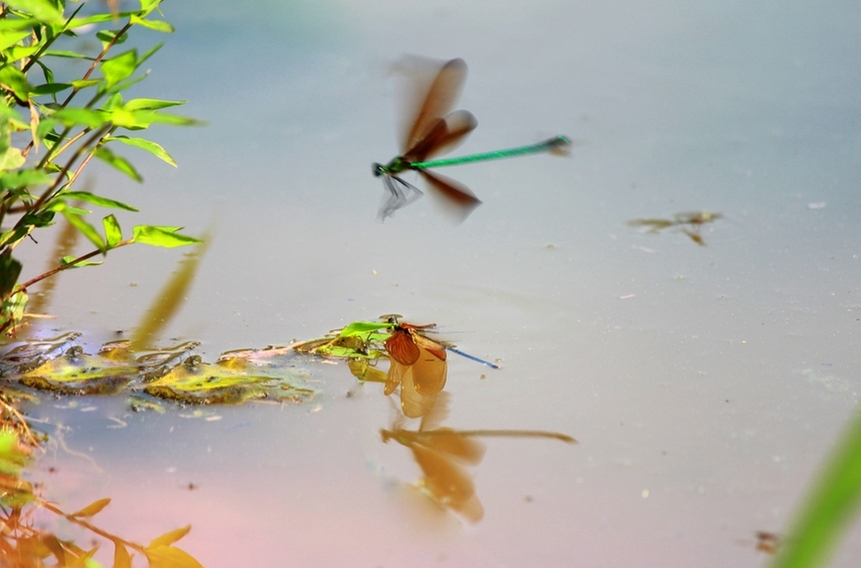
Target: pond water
704 382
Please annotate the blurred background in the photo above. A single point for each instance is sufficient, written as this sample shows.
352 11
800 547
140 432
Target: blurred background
704 373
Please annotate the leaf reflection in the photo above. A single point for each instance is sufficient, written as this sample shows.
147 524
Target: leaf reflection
28 542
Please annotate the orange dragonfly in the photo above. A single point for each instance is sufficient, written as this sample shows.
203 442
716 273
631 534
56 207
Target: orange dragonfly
418 365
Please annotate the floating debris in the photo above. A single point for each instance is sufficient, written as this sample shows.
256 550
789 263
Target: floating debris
690 224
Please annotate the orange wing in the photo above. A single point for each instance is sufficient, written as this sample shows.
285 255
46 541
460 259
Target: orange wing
401 347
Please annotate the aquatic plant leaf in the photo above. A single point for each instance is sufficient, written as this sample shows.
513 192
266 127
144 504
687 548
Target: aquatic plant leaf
92 509
364 371
31 354
78 373
226 382
339 346
363 327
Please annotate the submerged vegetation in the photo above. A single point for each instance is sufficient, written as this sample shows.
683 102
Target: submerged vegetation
53 123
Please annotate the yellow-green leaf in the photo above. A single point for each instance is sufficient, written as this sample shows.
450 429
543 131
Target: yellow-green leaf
170 537
42 9
92 509
170 557
113 233
151 147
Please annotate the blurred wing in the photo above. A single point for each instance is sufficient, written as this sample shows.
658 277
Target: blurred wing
415 403
442 136
400 194
438 101
429 372
457 198
394 377
436 349
401 347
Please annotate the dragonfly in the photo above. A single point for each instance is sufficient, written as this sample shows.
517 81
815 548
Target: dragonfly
418 365
434 130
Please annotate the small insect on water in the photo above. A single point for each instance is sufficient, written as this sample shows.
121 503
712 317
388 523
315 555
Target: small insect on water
434 130
418 365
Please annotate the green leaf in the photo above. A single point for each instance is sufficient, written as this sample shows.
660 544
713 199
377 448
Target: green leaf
113 233
88 230
72 116
37 219
12 158
146 118
68 260
24 178
108 36
828 507
66 54
8 38
94 19
362 327
50 88
157 25
151 147
147 6
151 104
14 80
118 162
10 269
81 84
43 10
96 200
19 52
7 24
12 310
120 67
162 236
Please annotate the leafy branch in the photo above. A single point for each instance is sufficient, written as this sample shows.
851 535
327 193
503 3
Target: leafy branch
46 143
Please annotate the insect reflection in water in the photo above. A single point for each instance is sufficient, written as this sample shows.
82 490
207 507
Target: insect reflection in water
443 453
